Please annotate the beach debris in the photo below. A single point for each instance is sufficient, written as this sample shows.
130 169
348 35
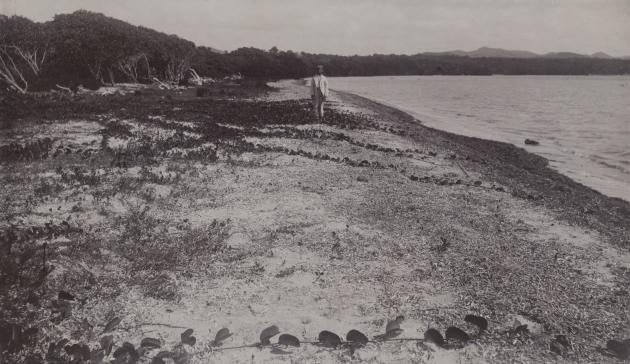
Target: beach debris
195 79
64 89
434 336
289 340
328 338
531 142
161 84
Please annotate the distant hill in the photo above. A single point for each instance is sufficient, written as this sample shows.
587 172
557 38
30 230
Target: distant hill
487 52
564 55
601 55
91 49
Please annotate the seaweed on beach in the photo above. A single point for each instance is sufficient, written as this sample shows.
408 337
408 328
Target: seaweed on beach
413 220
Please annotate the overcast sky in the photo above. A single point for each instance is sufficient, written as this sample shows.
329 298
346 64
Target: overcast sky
369 26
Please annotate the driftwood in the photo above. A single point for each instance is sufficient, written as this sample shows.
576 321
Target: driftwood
162 85
63 88
196 79
10 73
130 66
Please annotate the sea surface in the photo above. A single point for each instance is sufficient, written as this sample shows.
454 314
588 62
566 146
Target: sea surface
581 122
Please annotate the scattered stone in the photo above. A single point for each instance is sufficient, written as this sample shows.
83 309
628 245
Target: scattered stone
362 179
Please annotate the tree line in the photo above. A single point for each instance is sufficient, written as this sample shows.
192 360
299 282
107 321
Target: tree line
86 48
92 49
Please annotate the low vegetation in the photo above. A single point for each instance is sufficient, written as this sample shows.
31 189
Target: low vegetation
90 50
134 226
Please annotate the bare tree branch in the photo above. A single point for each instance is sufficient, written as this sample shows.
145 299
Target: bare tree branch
130 66
10 74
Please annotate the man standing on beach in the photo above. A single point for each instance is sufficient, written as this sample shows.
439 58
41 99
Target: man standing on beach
319 92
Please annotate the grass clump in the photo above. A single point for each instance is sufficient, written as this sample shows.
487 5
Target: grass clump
147 243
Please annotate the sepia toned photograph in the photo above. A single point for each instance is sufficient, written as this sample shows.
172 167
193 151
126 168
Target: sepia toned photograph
290 181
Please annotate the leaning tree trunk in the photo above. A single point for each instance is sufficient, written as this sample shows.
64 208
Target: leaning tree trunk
10 73
112 80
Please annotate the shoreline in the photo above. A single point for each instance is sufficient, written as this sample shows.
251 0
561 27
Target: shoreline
187 212
566 136
534 167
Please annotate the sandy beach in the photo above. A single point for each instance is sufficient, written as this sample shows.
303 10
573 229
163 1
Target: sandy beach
174 212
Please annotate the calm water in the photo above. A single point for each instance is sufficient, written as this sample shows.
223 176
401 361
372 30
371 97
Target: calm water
581 122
